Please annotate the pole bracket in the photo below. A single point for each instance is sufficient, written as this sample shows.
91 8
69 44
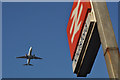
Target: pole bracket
111 48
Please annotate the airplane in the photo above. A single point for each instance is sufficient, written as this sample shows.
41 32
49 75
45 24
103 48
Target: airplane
29 57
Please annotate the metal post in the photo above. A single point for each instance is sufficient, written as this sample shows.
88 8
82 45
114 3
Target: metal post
107 37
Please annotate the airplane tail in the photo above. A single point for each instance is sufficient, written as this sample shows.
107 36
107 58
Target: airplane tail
28 64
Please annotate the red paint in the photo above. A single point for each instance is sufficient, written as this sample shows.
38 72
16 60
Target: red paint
84 11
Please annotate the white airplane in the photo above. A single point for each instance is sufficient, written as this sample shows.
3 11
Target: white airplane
29 56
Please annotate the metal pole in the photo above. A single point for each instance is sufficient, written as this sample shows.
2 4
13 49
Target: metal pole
108 41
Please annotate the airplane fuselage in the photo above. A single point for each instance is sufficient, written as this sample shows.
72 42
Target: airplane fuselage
30 57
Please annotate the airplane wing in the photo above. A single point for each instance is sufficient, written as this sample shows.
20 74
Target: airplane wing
36 57
22 57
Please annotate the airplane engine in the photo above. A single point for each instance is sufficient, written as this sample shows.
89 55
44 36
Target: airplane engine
34 55
25 54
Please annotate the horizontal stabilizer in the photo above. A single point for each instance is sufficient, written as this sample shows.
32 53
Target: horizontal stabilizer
28 64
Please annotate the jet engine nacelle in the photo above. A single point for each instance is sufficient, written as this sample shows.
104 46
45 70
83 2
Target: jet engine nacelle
33 54
25 54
